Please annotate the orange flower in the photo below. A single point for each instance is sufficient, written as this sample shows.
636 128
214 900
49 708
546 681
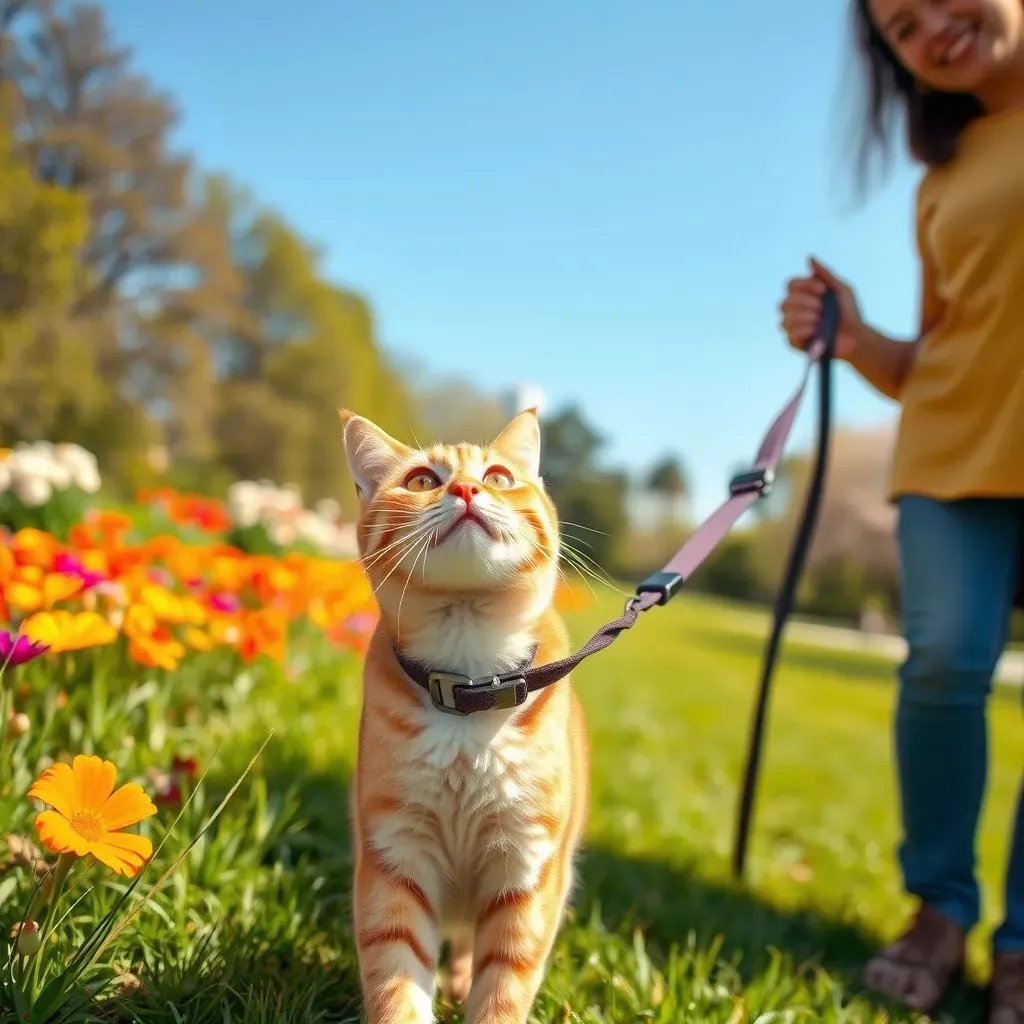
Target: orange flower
160 649
111 526
88 816
263 632
162 547
270 578
34 547
7 563
228 570
69 631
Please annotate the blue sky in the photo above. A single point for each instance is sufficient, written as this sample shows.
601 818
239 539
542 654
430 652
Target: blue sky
600 198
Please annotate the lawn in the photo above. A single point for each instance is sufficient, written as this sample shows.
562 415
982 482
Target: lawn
253 923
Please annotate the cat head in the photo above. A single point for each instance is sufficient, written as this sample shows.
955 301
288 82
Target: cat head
453 516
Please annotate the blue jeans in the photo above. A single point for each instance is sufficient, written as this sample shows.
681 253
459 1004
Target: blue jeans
959 563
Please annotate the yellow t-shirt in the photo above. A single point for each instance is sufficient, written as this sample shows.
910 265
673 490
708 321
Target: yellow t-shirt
961 428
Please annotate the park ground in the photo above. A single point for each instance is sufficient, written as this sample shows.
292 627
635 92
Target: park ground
253 925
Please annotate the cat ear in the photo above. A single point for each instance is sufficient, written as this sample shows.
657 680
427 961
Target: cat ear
371 452
520 441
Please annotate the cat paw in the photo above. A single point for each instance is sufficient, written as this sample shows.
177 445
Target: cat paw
455 988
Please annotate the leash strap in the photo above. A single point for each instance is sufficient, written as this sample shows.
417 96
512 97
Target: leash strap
462 695
786 594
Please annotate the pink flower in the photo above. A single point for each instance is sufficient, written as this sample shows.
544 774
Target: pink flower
71 565
18 649
361 621
224 602
160 576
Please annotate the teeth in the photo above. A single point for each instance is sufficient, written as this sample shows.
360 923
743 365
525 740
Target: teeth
959 48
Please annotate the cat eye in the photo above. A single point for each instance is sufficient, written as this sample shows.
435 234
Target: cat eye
498 478
421 480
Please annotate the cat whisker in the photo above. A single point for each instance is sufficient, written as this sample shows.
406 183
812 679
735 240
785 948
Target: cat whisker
579 526
551 556
391 571
409 540
579 561
424 547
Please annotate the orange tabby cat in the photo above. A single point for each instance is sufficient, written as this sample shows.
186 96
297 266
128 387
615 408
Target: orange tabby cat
465 826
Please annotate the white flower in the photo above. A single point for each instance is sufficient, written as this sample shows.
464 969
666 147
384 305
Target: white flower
286 499
244 501
32 490
60 466
31 461
328 509
313 529
88 479
60 476
347 542
282 533
81 466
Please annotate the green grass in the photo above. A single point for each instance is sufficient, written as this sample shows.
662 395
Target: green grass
254 925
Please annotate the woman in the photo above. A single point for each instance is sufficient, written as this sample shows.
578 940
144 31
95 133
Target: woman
955 70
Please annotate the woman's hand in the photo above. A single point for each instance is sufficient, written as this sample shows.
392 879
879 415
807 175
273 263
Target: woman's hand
800 311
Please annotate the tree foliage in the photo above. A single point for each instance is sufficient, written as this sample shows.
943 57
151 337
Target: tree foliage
591 499
143 301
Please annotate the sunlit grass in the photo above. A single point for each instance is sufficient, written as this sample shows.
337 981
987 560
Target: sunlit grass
254 925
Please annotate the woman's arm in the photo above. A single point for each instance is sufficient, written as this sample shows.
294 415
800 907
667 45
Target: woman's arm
882 361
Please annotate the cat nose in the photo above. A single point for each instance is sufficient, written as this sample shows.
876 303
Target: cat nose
466 491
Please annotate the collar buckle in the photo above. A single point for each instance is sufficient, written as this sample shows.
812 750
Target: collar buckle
501 694
441 687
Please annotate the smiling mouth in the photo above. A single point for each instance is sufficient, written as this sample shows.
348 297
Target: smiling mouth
959 48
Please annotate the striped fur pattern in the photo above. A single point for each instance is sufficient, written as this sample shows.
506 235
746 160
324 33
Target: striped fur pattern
465 828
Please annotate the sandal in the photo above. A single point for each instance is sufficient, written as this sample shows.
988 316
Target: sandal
1007 990
917 968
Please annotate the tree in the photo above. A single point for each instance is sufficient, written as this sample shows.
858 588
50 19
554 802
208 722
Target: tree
155 281
589 498
139 297
451 408
295 350
668 480
570 446
48 379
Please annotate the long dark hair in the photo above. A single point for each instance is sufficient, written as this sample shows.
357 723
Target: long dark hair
932 120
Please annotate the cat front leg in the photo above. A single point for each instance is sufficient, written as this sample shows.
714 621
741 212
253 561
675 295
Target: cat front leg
515 931
398 940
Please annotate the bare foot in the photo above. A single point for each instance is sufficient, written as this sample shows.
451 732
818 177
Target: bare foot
917 968
1007 989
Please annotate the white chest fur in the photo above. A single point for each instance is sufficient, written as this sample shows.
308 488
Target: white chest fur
471 814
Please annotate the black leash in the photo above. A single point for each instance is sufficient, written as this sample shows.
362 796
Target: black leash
787 592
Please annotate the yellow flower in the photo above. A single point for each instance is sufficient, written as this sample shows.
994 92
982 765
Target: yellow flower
88 816
69 631
51 588
198 640
163 603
